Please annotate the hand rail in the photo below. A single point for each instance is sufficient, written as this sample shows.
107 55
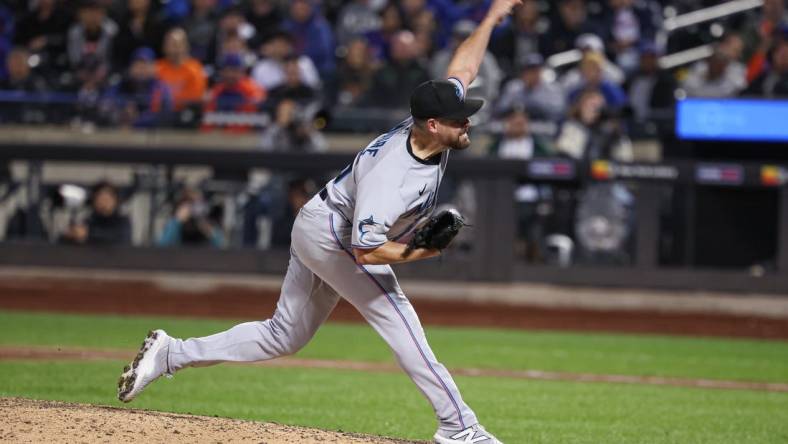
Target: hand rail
711 13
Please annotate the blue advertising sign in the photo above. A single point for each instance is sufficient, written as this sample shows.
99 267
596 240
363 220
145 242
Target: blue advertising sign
732 119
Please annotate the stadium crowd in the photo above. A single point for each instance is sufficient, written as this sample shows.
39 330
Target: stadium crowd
180 63
283 69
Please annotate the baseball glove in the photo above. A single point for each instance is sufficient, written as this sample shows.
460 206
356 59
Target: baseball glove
437 232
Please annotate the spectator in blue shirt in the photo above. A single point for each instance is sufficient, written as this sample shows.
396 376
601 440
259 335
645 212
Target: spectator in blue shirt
312 35
592 78
192 223
141 99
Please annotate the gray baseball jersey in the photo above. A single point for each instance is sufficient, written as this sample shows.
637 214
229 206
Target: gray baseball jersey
387 190
379 197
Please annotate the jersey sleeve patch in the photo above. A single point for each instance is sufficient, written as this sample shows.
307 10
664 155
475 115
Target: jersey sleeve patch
370 232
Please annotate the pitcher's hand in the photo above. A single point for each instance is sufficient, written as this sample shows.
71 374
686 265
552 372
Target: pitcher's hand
501 8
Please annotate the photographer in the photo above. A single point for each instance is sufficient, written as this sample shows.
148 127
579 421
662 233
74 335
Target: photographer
105 225
294 129
191 223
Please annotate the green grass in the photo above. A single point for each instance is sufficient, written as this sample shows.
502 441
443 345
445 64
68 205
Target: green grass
389 404
455 347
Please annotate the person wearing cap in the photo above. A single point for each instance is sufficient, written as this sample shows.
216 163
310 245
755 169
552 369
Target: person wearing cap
182 73
235 92
591 44
544 100
592 76
141 99
343 242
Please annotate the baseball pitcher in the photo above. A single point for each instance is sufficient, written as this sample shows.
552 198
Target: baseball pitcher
343 242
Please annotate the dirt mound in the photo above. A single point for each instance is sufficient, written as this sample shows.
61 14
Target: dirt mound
26 420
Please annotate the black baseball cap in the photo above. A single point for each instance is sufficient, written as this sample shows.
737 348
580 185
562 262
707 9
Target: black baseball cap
441 99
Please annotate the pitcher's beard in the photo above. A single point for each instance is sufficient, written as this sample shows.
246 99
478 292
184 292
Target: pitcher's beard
461 143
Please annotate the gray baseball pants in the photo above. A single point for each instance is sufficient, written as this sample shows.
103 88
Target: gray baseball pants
322 268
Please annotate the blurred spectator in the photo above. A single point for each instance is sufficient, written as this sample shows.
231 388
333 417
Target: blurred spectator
20 77
487 84
269 72
16 106
235 44
294 88
592 77
138 26
444 13
758 62
200 27
356 18
717 76
90 85
105 225
774 81
592 131
592 44
520 37
516 140
570 22
758 34
390 24
403 73
733 46
182 74
192 223
142 100
91 35
312 35
542 99
356 71
650 88
425 30
232 35
293 129
235 92
626 24
264 15
42 30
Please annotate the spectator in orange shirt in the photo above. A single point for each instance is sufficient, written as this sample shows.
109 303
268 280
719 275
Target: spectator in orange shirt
183 74
235 92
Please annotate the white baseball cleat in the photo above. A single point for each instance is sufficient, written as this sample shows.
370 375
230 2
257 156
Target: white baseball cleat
149 364
473 434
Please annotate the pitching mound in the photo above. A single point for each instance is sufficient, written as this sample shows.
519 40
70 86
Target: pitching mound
26 420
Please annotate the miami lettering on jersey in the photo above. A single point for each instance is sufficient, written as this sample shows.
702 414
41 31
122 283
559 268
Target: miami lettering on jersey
386 191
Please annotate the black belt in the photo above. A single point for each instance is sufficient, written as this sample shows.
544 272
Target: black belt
323 193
